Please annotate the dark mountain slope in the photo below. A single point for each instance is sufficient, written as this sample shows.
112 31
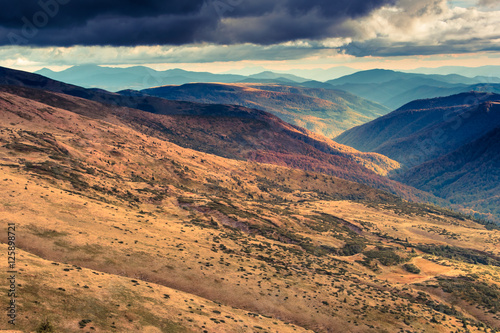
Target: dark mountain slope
469 176
449 144
457 129
426 129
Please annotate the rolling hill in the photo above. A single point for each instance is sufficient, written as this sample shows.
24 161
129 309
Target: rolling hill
247 134
323 111
133 233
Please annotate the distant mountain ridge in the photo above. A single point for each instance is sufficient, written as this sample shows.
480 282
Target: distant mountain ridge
316 74
486 72
395 89
386 87
141 77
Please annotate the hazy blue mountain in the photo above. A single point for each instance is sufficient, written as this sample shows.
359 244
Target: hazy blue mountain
394 89
139 77
316 74
320 74
272 75
433 91
278 80
384 75
492 72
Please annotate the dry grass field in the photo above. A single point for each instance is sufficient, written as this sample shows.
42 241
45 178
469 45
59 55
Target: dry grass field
118 231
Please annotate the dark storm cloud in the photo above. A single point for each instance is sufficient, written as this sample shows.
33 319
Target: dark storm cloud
151 22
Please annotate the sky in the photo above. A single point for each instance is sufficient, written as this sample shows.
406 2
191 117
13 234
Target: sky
227 35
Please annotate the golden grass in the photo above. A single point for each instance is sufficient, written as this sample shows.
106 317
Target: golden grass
203 229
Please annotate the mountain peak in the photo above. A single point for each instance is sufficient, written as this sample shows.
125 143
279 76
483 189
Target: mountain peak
44 70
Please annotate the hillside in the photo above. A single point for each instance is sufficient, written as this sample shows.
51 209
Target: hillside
470 175
240 133
323 111
395 89
133 233
232 132
426 129
448 145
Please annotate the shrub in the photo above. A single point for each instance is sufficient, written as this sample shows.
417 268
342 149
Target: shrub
411 268
462 254
385 256
45 327
352 248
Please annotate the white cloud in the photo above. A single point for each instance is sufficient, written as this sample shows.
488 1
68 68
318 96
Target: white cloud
426 25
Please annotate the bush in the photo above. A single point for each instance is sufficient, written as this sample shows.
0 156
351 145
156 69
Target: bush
471 290
352 248
45 327
411 268
385 256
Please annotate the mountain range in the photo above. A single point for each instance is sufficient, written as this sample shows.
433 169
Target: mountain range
141 77
481 71
141 214
395 89
224 130
248 134
389 88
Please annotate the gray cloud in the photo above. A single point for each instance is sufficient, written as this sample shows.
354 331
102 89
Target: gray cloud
160 22
488 3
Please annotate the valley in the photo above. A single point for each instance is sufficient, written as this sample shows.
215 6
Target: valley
234 166
181 246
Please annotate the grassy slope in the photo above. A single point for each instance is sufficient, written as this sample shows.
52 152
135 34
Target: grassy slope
95 193
241 133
